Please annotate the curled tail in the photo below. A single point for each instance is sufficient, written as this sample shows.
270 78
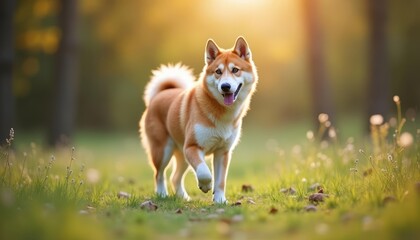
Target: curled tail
166 77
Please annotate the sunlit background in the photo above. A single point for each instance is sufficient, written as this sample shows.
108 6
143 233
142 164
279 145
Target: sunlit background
119 43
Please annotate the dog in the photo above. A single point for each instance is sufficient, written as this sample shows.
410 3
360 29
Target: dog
191 119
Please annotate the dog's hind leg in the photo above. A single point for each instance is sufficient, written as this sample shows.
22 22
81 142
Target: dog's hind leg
178 174
161 156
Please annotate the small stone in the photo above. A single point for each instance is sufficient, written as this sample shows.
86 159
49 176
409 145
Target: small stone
83 212
310 208
123 195
90 209
220 210
178 211
247 188
212 216
237 218
290 191
317 197
148 206
273 210
203 210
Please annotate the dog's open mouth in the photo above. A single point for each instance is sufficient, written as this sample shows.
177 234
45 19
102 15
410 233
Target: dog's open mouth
229 98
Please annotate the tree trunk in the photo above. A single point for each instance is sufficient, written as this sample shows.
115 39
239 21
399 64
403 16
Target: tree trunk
321 93
7 105
66 75
379 82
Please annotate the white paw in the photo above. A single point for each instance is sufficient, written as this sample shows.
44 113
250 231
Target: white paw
183 195
204 177
161 190
162 193
219 197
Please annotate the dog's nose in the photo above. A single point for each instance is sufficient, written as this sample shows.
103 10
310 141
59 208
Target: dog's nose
225 87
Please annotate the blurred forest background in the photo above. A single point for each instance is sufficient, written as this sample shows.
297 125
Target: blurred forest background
76 65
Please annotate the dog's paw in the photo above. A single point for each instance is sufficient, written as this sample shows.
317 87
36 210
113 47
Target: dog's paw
219 198
183 195
204 177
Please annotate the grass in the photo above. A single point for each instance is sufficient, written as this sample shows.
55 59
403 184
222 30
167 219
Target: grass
95 190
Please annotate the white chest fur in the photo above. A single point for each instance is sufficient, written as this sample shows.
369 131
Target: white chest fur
222 136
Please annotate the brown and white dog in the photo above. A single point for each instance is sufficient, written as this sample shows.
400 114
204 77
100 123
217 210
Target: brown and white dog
190 119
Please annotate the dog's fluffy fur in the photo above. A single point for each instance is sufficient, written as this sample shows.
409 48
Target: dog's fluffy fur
190 119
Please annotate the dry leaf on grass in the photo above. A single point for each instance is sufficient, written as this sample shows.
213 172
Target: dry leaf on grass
247 188
148 206
122 194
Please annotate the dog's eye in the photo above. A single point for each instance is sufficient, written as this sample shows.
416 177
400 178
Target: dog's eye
218 71
235 70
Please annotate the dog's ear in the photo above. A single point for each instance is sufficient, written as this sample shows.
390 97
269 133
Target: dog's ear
241 49
212 51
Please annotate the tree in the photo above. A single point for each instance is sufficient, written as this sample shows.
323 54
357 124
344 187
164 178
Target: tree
321 93
6 67
66 75
379 81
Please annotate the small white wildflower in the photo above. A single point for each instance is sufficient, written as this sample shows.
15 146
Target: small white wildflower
332 133
93 175
396 99
310 135
406 139
323 117
376 119
327 124
304 180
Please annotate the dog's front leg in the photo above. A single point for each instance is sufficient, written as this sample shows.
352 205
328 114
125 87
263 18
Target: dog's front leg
195 157
221 162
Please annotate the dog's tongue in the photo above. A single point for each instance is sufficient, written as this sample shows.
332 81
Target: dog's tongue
229 98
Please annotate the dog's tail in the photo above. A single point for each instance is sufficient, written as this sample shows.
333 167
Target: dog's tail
166 77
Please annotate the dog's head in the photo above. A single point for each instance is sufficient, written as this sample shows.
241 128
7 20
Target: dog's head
230 74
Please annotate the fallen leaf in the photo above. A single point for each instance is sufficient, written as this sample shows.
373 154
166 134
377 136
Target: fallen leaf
321 190
389 199
417 186
123 195
247 188
273 210
178 211
317 197
367 172
148 206
237 203
250 201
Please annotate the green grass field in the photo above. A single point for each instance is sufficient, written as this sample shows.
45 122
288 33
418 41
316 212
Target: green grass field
370 189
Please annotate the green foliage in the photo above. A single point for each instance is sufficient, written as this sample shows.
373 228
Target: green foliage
371 192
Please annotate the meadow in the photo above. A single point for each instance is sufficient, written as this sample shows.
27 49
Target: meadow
283 183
